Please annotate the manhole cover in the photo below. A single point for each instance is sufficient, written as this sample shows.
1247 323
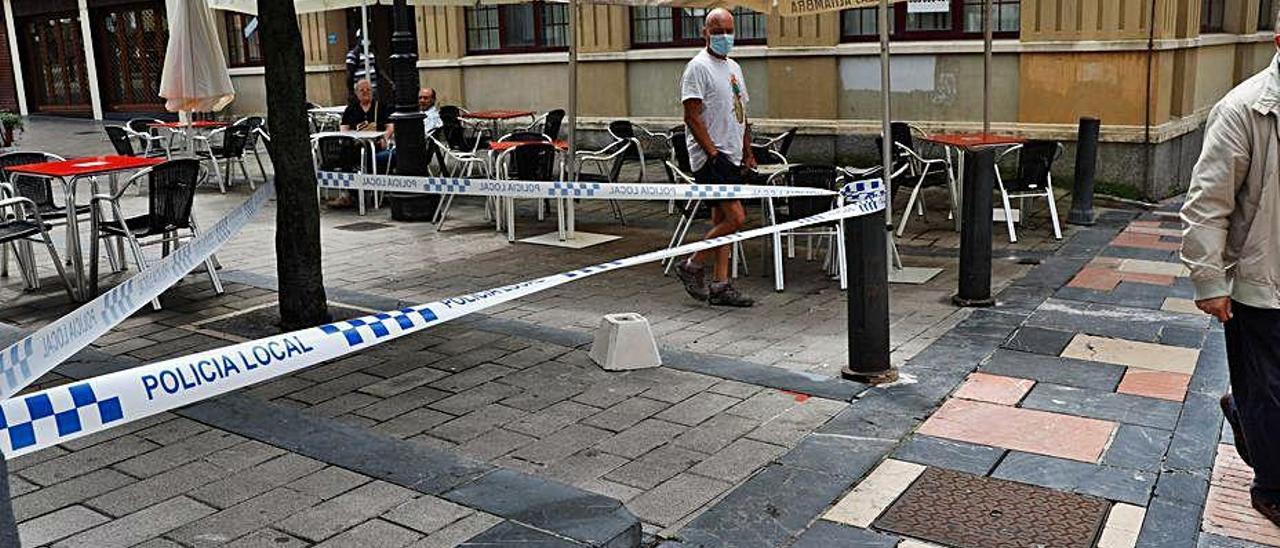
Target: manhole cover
968 511
362 226
263 321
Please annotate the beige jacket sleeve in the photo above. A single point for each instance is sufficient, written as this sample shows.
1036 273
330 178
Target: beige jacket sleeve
1215 181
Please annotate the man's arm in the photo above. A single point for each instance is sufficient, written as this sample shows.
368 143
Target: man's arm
693 119
1211 199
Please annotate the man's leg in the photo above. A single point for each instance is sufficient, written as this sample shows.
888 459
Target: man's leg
721 292
1253 355
693 271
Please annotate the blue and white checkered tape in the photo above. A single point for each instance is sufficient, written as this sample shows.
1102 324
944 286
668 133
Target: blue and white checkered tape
862 189
336 179
61 412
17 361
594 269
712 191
446 185
565 189
359 330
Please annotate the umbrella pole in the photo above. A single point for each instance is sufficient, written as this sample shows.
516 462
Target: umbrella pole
364 36
886 141
573 110
986 66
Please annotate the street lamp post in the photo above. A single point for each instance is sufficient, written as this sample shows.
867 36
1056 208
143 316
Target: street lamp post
411 147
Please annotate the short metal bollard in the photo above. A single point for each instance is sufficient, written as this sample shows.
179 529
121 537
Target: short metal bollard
867 265
975 232
8 524
1086 171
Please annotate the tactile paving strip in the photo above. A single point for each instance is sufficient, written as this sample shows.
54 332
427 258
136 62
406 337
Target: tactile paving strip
967 511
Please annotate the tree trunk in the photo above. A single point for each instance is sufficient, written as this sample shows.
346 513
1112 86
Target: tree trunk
298 266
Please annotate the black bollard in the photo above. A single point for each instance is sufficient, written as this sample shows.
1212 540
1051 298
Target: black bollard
8 524
867 263
411 141
1086 170
975 232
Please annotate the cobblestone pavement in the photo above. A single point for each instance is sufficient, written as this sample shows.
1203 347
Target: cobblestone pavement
1091 382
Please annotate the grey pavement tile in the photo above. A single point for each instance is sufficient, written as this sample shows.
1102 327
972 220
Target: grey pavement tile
716 433
1193 445
172 431
246 517
613 490
1138 447
494 443
953 455
329 371
698 408
795 423
608 394
374 532
532 356
641 438
335 515
427 514
413 423
472 377
476 424
1210 540
177 454
282 386
244 455
462 362
130 498
765 405
740 390
625 414
536 398
1119 484
63 523
1180 336
1170 524
547 421
838 455
679 391
767 510
257 480
459 532
676 498
475 398
404 382
1125 408
399 365
343 404
653 468
270 538
69 492
356 421
401 403
561 444
825 534
102 436
19 486
1038 340
331 389
1188 487
509 533
739 460
81 462
1055 370
160 543
328 482
140 526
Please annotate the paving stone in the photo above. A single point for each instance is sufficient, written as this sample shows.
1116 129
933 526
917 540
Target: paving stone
159 543
342 405
427 514
48 499
279 387
1154 384
130 498
1122 527
677 392
1048 369
63 523
1170 524
404 382
873 495
509 533
476 423
1156 357
697 409
739 460
494 443
765 405
413 422
837 455
641 438
626 414
951 454
142 525
331 389
1030 430
825 534
1193 444
333 516
531 356
374 532
397 366
472 377
475 398
243 455
246 517
740 390
402 403
270 538
584 466
653 468
547 421
994 389
612 393
1119 484
1038 340
328 483
1185 306
177 454
1173 335
1103 405
676 498
716 433
172 431
557 446
19 486
459 532
255 481
768 509
537 398
82 462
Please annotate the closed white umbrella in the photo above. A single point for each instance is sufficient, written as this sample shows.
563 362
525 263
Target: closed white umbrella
195 75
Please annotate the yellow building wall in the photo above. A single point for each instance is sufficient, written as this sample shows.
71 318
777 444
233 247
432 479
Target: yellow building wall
929 87
1062 87
656 89
1215 74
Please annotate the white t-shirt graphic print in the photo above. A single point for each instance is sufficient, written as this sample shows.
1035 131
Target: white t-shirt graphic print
723 91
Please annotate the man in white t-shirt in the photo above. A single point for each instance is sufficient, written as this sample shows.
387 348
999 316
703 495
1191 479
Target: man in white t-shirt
714 94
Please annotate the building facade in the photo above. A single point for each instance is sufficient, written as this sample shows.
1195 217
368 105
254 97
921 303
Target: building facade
1149 69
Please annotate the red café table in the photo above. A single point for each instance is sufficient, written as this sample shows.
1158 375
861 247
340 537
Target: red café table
971 141
494 116
68 172
498 147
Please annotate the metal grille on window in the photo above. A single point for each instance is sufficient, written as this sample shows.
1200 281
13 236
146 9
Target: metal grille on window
651 25
134 40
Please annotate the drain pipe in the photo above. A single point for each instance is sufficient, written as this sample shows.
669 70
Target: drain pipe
1147 155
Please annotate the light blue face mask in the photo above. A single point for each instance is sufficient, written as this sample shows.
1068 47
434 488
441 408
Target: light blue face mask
721 44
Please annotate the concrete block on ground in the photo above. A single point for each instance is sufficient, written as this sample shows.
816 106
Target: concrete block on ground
625 342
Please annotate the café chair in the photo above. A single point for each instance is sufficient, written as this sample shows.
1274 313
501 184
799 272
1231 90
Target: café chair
830 235
20 226
1033 179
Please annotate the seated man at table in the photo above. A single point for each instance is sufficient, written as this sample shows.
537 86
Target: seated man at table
367 114
427 104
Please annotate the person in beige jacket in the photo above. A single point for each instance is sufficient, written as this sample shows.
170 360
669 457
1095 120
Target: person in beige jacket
1231 244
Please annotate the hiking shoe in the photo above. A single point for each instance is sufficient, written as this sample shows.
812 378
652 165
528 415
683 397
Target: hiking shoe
723 294
1265 505
1228 405
694 279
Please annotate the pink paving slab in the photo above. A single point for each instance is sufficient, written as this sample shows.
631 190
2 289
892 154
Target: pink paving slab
1029 430
994 389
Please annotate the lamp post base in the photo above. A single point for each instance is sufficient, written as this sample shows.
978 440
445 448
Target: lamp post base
873 378
987 302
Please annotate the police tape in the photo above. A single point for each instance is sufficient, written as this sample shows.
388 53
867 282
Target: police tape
557 189
36 354
61 414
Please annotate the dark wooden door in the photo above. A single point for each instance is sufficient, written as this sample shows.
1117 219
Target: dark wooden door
130 45
53 60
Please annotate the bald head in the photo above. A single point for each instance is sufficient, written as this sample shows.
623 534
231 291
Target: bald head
719 19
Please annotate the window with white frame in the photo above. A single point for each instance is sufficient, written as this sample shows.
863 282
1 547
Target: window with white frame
517 28
666 27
